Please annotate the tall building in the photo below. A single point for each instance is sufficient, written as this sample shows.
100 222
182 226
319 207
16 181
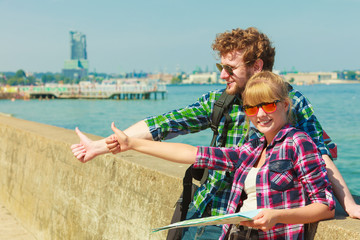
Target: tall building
78 45
77 66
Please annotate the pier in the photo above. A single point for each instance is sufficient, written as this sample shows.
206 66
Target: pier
87 90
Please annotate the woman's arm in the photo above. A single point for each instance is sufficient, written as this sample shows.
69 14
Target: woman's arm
267 218
194 118
174 152
88 149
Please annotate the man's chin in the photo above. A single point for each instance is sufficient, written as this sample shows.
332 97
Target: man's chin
233 90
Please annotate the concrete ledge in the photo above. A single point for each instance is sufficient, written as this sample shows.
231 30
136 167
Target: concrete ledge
112 197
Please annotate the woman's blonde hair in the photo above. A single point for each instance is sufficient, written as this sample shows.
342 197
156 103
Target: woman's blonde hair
266 87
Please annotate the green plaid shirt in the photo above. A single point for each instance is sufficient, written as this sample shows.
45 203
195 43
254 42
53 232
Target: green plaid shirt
197 116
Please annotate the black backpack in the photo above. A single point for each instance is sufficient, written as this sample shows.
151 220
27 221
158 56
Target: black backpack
221 107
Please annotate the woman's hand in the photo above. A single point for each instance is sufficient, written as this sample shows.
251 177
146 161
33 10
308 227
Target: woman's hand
118 142
264 220
112 144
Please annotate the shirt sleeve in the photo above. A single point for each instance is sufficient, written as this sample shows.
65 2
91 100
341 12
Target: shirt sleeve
217 158
305 120
221 158
311 171
191 119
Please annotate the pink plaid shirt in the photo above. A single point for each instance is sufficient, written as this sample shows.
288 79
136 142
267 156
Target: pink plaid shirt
294 175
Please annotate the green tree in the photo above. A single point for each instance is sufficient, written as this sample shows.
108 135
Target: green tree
31 80
13 81
176 80
47 78
20 77
20 73
351 75
2 80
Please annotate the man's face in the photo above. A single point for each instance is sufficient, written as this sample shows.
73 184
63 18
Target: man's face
241 73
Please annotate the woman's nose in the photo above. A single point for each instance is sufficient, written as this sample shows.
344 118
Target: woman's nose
261 112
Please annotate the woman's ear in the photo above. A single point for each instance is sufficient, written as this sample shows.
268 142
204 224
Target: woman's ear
286 105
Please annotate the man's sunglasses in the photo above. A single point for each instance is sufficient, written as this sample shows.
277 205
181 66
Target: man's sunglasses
227 68
267 107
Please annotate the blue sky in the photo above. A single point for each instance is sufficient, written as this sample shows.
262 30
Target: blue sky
165 35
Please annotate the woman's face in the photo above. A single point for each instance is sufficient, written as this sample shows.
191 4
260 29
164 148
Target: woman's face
271 123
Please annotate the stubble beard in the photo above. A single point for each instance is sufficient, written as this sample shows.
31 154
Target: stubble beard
237 90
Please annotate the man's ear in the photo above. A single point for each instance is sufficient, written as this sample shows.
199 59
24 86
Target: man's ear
258 65
286 105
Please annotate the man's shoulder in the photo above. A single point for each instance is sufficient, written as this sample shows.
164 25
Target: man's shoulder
294 91
298 98
212 95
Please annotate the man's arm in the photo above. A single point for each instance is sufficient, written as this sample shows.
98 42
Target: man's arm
193 118
87 149
340 189
307 121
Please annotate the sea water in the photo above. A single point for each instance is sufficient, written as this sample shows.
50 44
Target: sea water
336 106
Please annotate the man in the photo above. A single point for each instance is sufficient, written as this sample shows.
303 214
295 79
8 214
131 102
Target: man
243 53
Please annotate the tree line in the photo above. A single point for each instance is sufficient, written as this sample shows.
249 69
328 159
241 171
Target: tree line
19 78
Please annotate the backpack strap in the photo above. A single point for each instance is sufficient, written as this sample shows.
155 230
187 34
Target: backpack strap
186 197
289 87
220 109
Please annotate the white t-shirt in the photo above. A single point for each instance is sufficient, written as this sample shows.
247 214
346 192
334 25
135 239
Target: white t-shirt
250 189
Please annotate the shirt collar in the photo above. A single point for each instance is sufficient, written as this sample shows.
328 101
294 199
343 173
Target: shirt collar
281 134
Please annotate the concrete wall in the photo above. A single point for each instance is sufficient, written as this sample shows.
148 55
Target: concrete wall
56 197
112 197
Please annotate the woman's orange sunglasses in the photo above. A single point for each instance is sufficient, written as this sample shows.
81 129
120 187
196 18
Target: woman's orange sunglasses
267 107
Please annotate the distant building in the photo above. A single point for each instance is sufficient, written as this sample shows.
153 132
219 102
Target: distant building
78 45
310 77
77 66
165 77
202 78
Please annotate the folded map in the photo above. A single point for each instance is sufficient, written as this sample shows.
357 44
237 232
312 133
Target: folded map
233 218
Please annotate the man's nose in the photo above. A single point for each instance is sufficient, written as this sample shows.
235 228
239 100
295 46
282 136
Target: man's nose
224 74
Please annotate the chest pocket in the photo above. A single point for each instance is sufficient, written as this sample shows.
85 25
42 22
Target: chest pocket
281 174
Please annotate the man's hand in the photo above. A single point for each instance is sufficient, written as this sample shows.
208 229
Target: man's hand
87 149
340 189
354 211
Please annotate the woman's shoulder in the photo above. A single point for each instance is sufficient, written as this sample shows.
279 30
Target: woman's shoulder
301 139
295 133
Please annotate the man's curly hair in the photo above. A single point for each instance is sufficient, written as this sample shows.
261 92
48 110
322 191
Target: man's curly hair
255 45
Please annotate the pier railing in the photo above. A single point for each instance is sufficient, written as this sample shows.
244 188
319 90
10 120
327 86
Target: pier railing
96 91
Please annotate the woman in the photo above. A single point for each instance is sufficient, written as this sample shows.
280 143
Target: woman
281 172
